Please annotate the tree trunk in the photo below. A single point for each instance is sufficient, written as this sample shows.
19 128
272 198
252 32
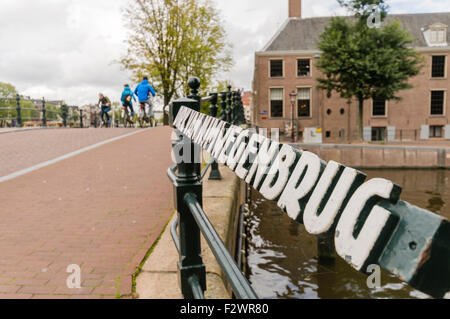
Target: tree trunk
360 118
166 115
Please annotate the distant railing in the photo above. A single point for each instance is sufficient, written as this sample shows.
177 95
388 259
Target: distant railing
364 222
18 112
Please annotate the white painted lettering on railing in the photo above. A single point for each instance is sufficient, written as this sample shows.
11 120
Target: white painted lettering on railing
329 199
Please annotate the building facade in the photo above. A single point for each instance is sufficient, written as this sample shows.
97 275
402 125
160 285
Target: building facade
287 65
247 104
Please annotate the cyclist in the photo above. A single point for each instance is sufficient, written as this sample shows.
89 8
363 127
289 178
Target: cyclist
143 91
105 104
127 99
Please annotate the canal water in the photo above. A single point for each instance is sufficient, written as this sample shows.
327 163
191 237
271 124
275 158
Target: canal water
282 256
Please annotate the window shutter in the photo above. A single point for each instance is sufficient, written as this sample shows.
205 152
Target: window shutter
424 132
391 133
447 132
367 134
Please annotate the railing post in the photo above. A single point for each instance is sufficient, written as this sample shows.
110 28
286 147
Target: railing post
215 173
64 114
19 111
44 113
223 106
229 103
187 155
234 107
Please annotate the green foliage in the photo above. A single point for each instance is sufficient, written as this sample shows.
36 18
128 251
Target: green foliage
363 63
172 40
362 8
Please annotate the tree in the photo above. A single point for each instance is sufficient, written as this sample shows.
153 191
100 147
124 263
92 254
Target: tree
361 62
172 40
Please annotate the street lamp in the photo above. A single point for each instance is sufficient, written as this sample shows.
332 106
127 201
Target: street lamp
293 96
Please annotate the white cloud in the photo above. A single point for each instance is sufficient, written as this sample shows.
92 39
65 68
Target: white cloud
63 49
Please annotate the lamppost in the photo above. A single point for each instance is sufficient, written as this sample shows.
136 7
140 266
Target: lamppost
293 96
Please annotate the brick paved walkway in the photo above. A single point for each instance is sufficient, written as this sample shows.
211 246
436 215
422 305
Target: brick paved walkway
101 210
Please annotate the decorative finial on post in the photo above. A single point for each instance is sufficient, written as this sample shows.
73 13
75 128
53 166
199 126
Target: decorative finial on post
194 85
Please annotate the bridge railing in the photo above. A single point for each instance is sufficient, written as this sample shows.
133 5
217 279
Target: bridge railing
364 222
13 113
192 221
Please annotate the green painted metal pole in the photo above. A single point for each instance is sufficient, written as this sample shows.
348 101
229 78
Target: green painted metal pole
239 283
215 173
64 114
229 103
44 113
19 111
223 106
188 180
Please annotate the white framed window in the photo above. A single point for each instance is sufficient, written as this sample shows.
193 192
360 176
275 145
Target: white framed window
303 67
276 68
276 102
304 102
379 107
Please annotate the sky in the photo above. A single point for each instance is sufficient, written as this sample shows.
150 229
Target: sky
66 49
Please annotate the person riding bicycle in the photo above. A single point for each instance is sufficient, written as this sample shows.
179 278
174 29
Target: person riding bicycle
105 104
127 99
143 91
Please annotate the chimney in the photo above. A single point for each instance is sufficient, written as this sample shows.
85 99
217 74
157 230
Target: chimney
295 9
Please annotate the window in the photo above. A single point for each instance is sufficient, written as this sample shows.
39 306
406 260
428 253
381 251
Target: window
303 67
378 133
436 131
304 102
276 102
327 134
276 68
437 36
379 107
438 66
437 102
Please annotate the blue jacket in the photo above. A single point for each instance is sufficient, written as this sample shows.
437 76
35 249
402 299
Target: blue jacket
143 91
127 91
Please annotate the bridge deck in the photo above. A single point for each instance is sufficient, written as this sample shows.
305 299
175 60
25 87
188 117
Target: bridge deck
101 210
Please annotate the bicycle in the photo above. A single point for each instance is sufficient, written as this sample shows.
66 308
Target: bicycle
127 119
143 117
103 119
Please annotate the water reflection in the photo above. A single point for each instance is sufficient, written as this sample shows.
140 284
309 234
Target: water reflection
283 256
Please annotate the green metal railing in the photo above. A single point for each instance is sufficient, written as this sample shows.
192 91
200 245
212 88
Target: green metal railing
192 221
17 112
371 226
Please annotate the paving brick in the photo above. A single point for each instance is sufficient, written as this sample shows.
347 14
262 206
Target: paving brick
101 210
42 290
9 289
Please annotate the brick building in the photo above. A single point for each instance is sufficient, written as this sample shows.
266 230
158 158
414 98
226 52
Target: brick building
287 64
247 104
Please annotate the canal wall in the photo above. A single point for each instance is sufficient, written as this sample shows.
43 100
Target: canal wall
381 156
158 277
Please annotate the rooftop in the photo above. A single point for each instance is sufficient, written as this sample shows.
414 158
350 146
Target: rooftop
303 34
